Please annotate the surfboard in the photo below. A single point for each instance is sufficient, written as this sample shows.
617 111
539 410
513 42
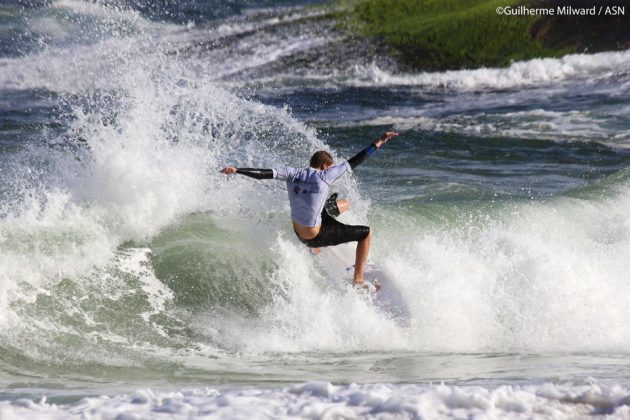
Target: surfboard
338 265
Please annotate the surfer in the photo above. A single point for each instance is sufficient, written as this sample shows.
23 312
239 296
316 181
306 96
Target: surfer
314 216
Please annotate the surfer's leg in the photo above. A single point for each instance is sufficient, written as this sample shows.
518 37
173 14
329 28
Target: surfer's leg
343 204
333 232
363 250
334 207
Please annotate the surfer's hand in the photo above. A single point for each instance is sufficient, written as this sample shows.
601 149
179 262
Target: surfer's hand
385 138
228 170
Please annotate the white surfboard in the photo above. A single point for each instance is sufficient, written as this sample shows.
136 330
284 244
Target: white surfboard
338 264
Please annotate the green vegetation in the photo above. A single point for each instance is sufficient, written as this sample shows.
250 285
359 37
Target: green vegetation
449 34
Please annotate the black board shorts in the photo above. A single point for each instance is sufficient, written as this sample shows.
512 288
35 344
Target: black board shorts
334 232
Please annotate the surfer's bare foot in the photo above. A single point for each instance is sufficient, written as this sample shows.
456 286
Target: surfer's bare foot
315 251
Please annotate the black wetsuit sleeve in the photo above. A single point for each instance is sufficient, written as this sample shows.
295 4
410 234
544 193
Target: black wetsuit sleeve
357 159
256 173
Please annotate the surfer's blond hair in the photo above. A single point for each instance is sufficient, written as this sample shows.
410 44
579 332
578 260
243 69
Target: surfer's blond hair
320 158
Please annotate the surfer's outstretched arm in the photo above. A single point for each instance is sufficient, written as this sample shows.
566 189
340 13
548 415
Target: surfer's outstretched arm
250 172
357 159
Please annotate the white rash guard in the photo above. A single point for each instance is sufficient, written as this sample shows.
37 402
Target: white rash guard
308 190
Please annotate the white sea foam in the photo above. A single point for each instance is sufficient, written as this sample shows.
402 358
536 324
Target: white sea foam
534 277
157 162
544 277
520 74
552 73
72 22
101 11
103 63
323 400
135 262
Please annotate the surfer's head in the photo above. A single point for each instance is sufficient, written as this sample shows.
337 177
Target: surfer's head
321 160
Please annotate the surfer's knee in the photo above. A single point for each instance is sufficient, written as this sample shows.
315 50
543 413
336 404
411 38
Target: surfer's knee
343 204
367 234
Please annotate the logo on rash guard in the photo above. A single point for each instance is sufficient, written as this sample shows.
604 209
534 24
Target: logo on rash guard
310 192
296 189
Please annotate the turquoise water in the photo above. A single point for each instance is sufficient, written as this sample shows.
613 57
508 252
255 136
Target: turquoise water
127 262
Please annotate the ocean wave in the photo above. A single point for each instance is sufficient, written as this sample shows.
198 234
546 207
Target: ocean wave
237 46
539 277
540 124
102 11
121 174
130 216
322 400
519 74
